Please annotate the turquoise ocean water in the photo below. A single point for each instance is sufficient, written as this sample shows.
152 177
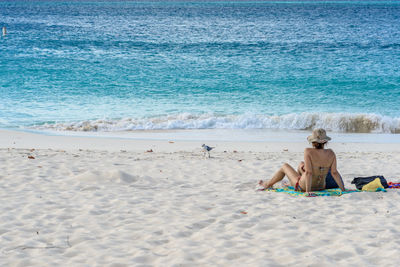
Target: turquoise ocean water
120 65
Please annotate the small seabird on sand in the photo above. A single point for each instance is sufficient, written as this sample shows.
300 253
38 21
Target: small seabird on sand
206 149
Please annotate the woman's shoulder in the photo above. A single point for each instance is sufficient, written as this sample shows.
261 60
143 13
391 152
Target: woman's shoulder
308 150
329 153
328 150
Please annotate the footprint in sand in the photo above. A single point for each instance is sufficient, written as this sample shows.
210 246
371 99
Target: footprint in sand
112 176
200 225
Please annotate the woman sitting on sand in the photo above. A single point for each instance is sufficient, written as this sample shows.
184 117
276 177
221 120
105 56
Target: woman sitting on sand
311 174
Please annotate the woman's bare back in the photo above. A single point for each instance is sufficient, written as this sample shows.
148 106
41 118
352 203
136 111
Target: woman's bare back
320 157
318 162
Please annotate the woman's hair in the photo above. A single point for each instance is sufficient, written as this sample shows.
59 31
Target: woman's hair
318 145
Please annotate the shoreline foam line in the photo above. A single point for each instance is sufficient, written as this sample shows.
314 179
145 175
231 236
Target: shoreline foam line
336 122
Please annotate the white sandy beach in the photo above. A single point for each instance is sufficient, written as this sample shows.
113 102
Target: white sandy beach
80 201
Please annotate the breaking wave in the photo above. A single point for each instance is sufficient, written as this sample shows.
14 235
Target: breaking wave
338 122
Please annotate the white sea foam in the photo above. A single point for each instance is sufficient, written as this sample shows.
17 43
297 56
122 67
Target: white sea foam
339 122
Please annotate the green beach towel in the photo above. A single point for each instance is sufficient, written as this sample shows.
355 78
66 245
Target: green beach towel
327 192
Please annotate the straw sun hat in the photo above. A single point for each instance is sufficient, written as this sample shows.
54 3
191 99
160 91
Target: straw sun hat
318 136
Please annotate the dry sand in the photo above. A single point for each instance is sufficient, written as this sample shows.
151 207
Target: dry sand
75 201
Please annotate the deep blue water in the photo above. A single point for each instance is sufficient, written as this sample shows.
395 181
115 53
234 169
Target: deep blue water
165 65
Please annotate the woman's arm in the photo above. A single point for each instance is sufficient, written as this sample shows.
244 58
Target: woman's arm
307 174
335 173
300 168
